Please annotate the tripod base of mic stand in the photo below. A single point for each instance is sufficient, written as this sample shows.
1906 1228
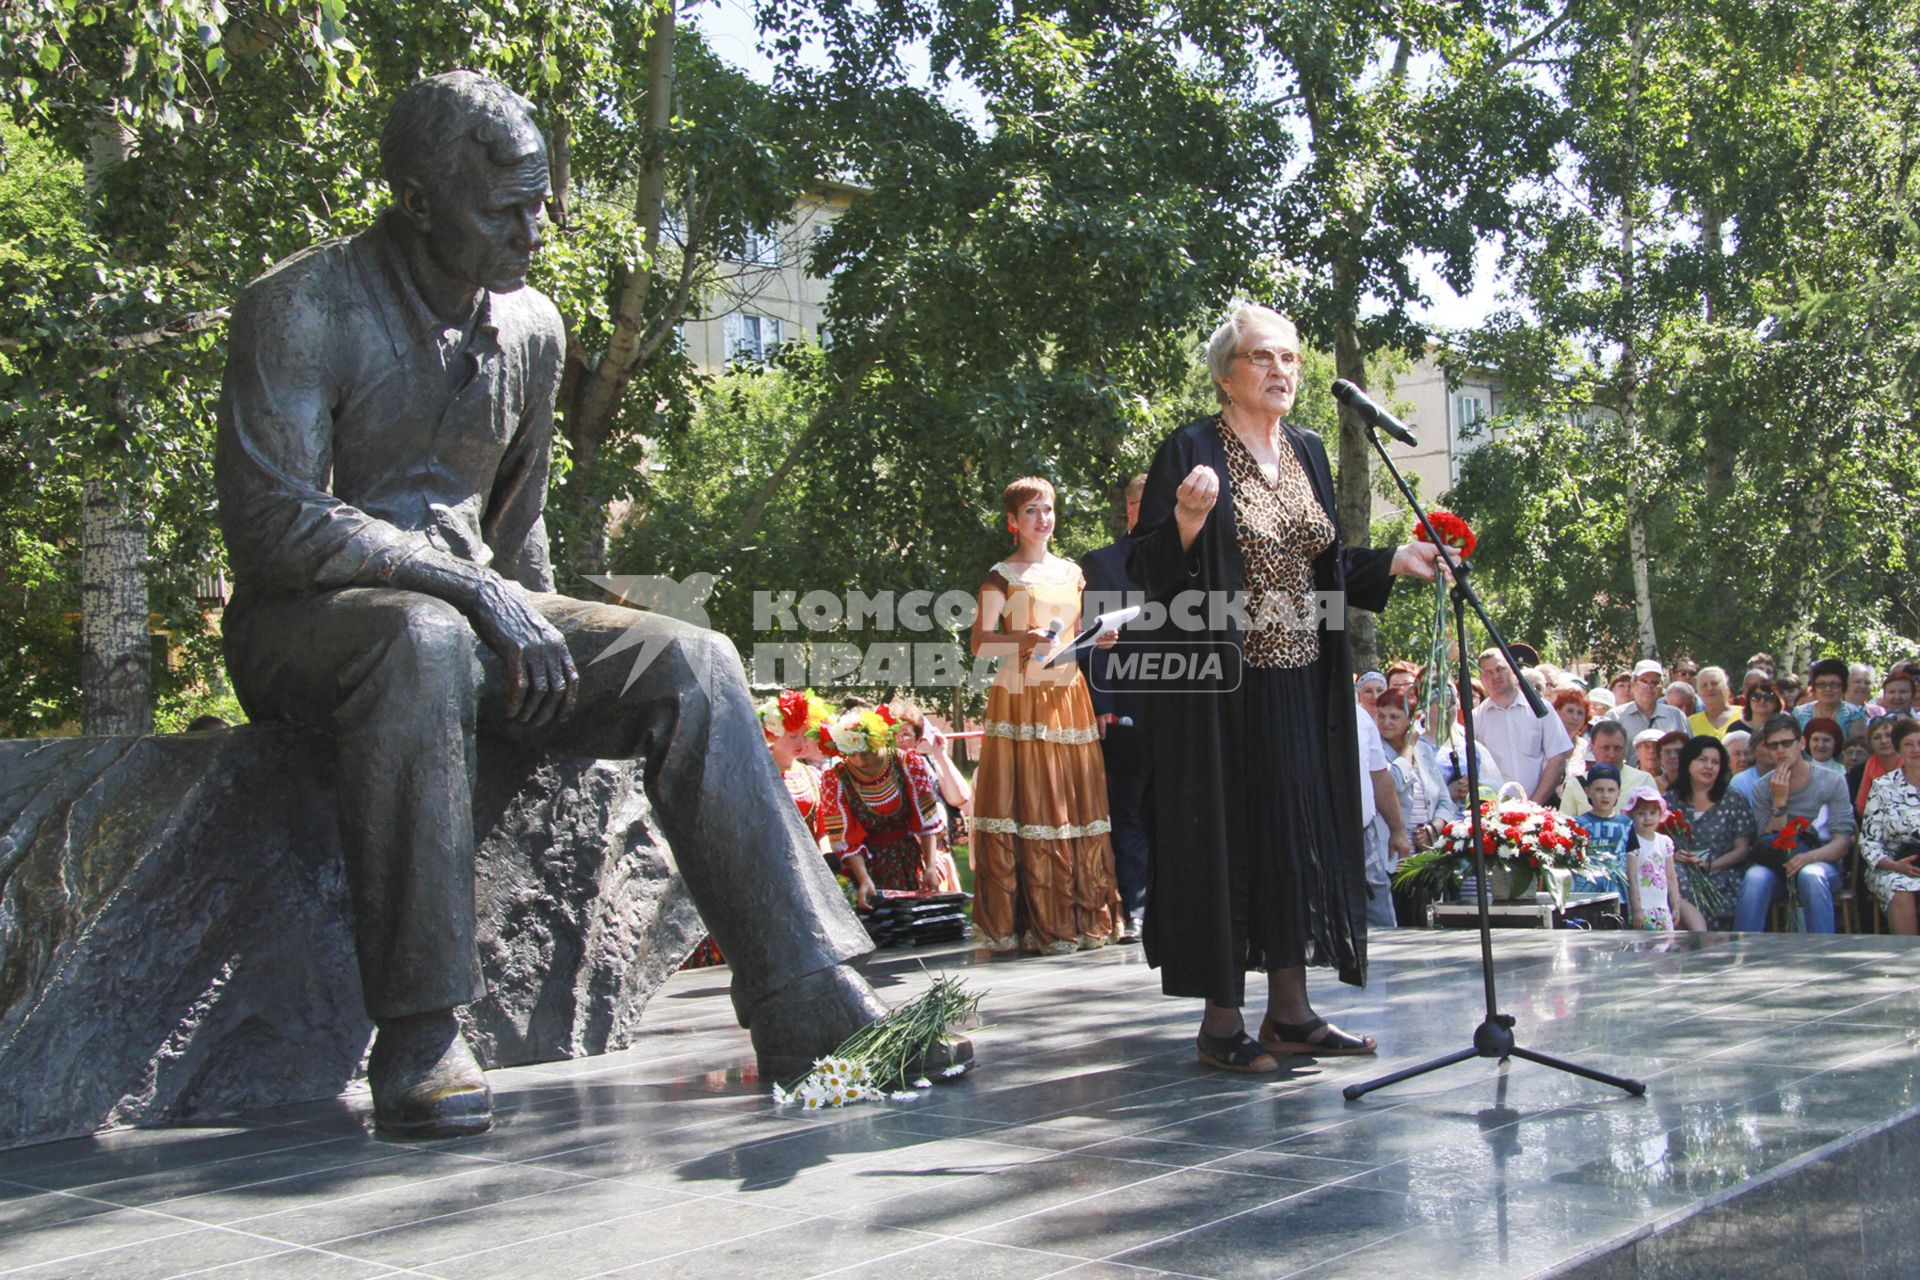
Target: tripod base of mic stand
1494 1039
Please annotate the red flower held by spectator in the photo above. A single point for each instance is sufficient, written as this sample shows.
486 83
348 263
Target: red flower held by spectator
1454 532
1679 830
1789 837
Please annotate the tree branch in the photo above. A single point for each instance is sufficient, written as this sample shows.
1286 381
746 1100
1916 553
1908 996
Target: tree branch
1521 51
676 307
825 414
191 323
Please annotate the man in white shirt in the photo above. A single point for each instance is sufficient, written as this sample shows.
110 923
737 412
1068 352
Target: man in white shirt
1380 821
1531 750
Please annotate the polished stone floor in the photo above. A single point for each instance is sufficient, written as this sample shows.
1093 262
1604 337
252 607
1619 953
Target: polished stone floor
1090 1144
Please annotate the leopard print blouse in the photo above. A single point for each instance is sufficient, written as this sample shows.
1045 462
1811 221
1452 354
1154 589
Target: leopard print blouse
1282 528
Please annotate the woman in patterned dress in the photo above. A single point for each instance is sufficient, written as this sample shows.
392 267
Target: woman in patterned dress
1042 853
1721 820
1257 853
1890 834
880 809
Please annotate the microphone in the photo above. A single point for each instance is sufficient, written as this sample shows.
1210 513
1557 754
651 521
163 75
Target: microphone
1372 414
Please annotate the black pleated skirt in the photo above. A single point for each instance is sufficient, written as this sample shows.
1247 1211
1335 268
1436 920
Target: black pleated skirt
1283 867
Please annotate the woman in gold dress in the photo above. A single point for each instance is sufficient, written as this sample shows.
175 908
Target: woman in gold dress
1042 857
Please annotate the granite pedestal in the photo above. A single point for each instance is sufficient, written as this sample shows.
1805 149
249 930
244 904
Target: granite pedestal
176 939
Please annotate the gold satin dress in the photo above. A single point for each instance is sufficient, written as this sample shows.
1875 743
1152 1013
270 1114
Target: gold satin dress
1042 855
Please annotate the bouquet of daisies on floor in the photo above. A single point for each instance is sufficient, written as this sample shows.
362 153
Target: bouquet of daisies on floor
882 1060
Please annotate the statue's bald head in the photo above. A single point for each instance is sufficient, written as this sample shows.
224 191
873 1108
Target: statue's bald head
445 122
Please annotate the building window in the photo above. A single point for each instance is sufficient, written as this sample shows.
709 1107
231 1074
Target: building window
760 249
751 337
1470 412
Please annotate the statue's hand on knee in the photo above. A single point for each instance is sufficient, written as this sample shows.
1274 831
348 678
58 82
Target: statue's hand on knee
541 680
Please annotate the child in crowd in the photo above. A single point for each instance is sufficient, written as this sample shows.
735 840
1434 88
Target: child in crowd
1606 830
1653 882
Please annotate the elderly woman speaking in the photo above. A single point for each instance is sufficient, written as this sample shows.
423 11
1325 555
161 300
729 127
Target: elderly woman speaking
1257 853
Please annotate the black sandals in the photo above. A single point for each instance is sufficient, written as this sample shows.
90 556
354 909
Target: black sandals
1281 1039
1238 1052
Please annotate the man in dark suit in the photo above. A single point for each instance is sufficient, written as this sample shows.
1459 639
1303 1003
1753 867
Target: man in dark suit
1122 732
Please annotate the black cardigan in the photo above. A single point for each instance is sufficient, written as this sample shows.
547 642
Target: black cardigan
1189 911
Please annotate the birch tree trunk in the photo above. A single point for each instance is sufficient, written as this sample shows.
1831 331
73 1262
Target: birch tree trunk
116 651
1797 647
1354 499
595 400
1630 350
116 688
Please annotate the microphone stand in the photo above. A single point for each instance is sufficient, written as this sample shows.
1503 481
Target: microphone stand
1493 1038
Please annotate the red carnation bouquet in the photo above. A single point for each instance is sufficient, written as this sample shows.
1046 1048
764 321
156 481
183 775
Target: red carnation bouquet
1522 841
1789 837
1797 836
1696 886
1455 533
1458 537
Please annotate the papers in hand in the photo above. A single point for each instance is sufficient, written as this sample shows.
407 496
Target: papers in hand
1101 625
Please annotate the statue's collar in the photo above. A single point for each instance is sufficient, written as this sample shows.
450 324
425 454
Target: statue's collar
408 319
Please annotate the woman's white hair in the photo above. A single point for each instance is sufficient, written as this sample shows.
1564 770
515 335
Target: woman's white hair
1226 339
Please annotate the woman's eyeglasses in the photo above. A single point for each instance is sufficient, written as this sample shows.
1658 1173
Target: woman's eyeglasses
1267 358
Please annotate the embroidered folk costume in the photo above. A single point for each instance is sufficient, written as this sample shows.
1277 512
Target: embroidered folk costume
878 809
1042 854
803 713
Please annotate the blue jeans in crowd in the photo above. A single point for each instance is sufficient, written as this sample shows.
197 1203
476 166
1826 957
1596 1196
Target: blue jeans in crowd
1761 887
1379 874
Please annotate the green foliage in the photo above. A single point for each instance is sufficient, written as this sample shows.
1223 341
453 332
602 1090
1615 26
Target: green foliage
179 709
1694 351
1706 209
223 137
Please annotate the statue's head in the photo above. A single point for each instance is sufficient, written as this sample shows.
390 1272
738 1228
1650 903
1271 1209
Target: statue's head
468 171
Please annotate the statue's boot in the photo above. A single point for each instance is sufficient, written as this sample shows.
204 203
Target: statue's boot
426 1082
807 1020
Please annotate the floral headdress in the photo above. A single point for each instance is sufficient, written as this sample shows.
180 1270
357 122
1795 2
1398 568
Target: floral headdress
794 711
855 731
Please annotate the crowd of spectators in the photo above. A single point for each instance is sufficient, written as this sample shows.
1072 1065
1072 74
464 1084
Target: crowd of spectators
1800 791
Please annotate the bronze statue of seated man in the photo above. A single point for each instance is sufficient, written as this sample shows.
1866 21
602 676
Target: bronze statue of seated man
384 432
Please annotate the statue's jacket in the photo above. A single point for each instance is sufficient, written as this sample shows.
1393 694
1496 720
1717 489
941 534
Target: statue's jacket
358 432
